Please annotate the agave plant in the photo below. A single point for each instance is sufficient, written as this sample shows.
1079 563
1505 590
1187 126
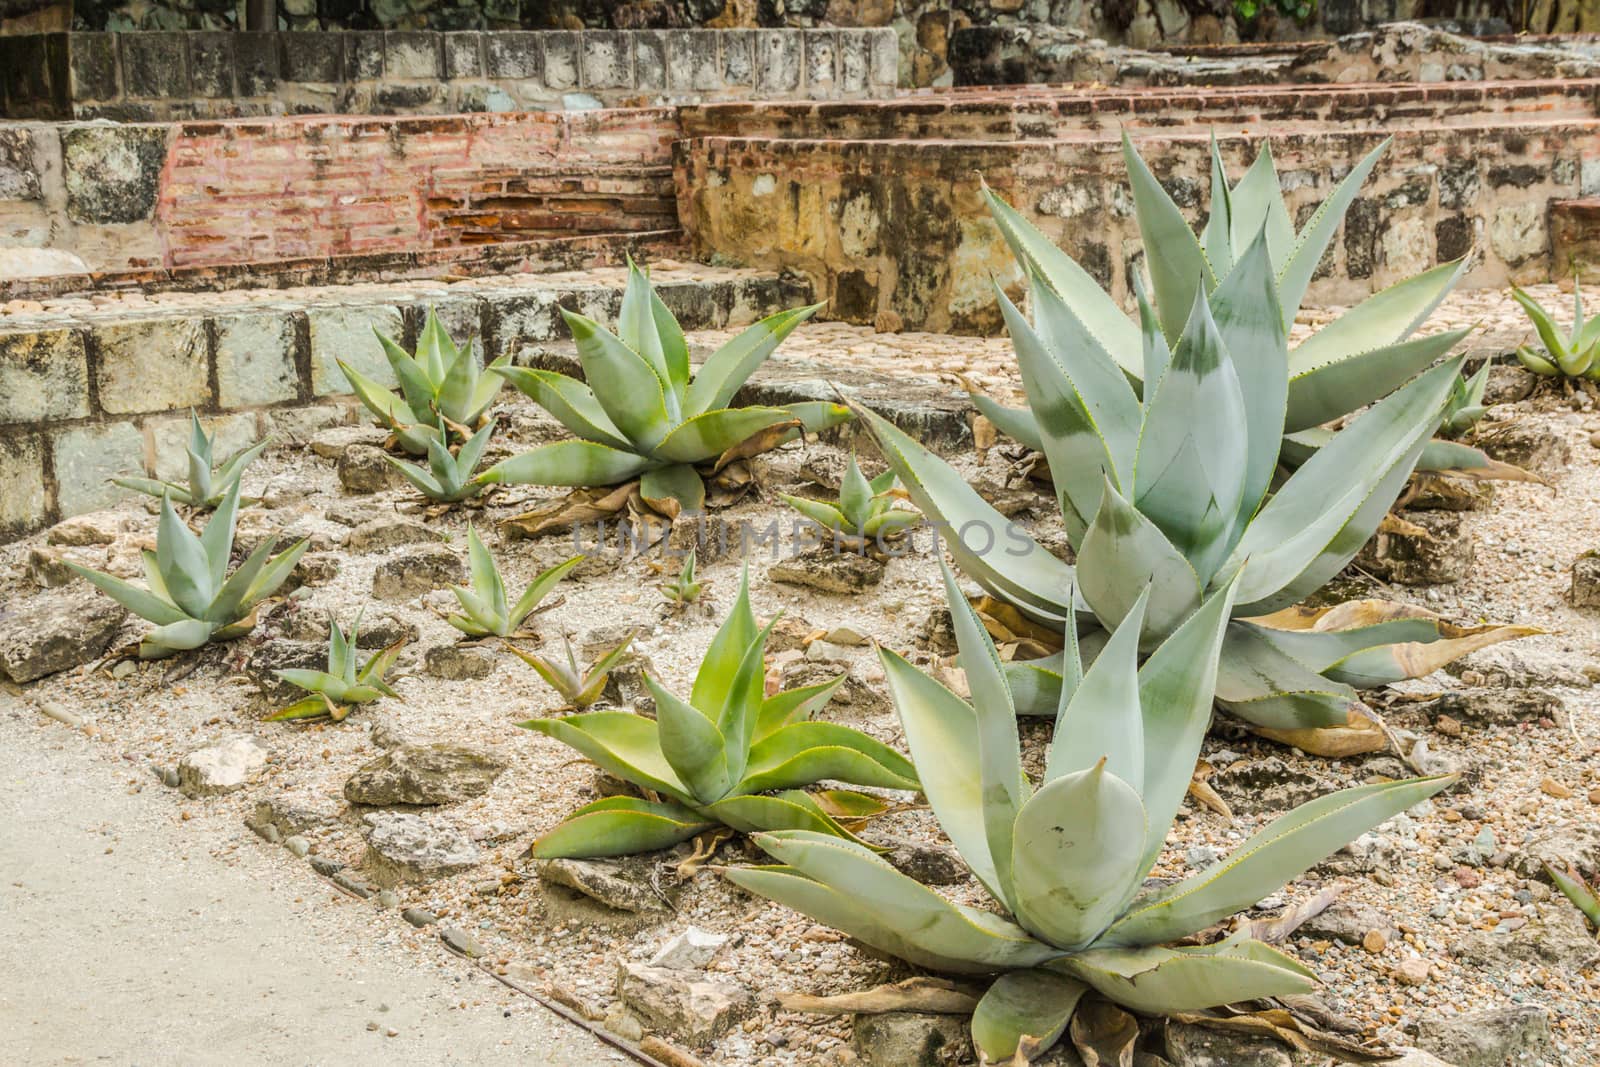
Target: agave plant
865 509
1465 407
190 596
1566 355
448 479
727 756
344 684
1348 364
1067 861
1581 893
208 483
580 687
485 612
685 589
643 416
441 389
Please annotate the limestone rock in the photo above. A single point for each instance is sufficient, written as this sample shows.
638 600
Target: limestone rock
1199 1046
423 774
335 441
39 263
364 469
55 632
380 535
459 662
1266 785
828 571
416 571
696 1010
1561 940
620 885
296 813
912 1039
405 848
1443 553
853 697
225 767
1576 844
690 950
1344 921
1585 591
1534 447
274 656
930 864
81 531
1488 1038
1489 706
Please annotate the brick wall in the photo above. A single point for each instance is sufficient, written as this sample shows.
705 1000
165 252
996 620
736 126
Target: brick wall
899 227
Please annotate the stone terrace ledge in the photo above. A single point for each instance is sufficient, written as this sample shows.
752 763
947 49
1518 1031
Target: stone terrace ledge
157 76
98 385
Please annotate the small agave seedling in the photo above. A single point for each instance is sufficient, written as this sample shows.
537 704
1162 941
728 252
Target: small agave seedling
485 610
1581 893
190 596
642 416
208 483
1068 860
580 688
865 509
1565 355
1465 407
344 684
726 756
441 389
685 589
448 479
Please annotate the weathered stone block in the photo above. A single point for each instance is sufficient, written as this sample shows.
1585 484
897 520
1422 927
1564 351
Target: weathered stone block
151 365
855 62
561 63
694 1008
43 375
211 63
1454 235
255 62
1517 231
311 57
463 54
56 632
738 57
154 64
23 506
112 173
821 61
347 333
408 54
607 59
19 174
513 55
649 61
86 457
1439 552
885 46
169 440
516 319
255 359
94 66
692 61
778 60
363 55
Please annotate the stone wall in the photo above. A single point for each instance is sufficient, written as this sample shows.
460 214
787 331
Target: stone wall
106 390
140 77
895 231
196 193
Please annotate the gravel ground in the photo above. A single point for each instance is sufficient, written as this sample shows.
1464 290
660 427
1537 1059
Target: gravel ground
1429 882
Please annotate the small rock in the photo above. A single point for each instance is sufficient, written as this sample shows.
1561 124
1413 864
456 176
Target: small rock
1343 921
1508 384
1448 725
829 571
1552 788
315 568
1534 447
1487 1038
423 775
457 663
388 899
1253 787
1494 707
1560 940
1413 971
54 632
618 884
267 832
1374 941
1441 554
912 1039
81 531
403 848
336 440
325 866
458 940
277 655
51 710
294 814
928 863
416 571
298 845
853 698
1585 589
419 917
380 535
348 882
47 568
697 1010
689 951
365 469
221 768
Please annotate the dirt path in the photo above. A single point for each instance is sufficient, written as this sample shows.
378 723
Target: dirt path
124 941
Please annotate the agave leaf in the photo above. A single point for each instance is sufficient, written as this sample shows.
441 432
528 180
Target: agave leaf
674 349
1024 1011
1175 691
310 681
487 587
1019 424
620 826
906 908
1576 890
1193 447
555 675
808 752
674 491
855 495
820 512
1162 226
1076 855
143 603
1086 412
999 753
414 374
737 716
730 366
273 574
1294 276
792 810
711 433
1092 305
428 484
792 706
942 734
377 665
185 566
693 745
1256 207
1537 363
1216 239
636 327
392 412
459 387
230 471
714 682
1331 390
1014 565
537 590
1554 339
155 488
625 744
1267 687
627 387
1122 555
180 636
309 707
1158 980
1385 318
1101 721
890 523
1383 664
576 463
571 402
340 663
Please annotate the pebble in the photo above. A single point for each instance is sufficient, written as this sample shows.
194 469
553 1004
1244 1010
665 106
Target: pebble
1374 941
345 880
419 917
298 845
1413 971
458 940
60 714
388 899
325 866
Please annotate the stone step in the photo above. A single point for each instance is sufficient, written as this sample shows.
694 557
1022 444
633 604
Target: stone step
1052 112
98 385
1575 234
